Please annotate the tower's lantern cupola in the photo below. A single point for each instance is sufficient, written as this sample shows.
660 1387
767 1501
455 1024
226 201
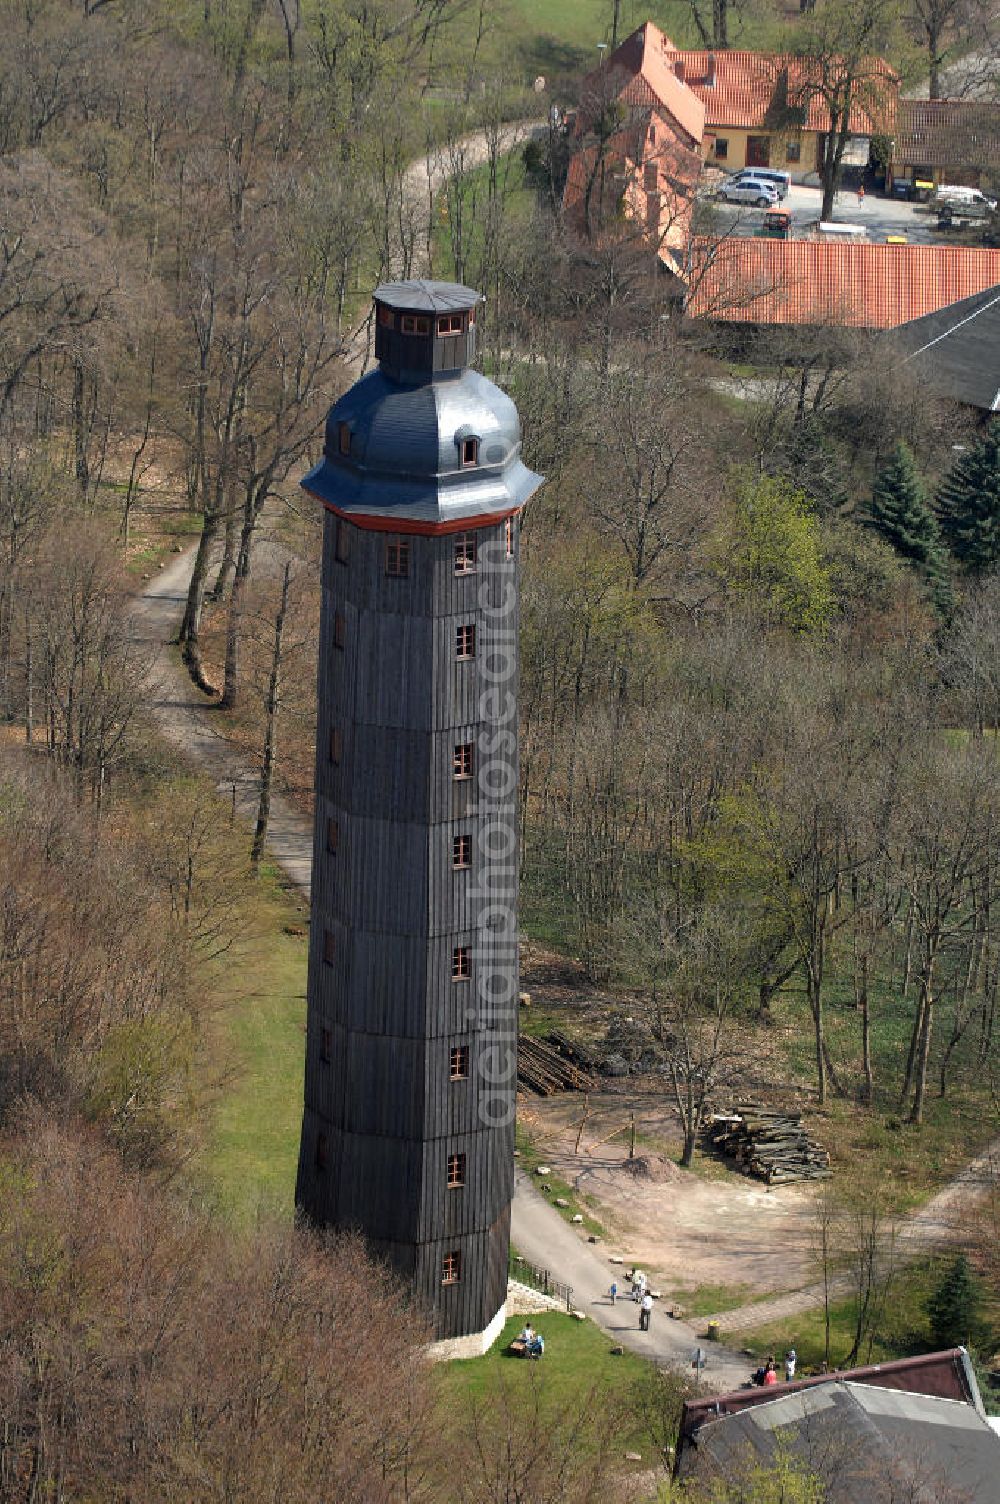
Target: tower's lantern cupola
425 331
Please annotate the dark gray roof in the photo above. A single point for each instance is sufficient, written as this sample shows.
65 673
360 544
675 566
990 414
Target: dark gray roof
956 350
867 1444
405 459
427 297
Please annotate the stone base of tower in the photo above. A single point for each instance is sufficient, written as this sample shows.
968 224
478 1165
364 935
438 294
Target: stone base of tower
474 1345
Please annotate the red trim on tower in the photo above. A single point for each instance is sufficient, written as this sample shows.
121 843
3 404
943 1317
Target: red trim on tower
375 524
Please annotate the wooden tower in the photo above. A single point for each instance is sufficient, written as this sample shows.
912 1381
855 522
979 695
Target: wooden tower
408 1129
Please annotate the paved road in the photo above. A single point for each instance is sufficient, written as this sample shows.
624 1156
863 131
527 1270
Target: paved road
543 1237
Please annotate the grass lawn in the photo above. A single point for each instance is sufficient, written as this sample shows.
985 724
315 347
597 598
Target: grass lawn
903 1330
257 1041
578 1368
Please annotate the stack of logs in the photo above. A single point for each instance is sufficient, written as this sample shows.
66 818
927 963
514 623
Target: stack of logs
546 1068
772 1145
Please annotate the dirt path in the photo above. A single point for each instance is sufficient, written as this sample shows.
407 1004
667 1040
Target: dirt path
184 717
936 1224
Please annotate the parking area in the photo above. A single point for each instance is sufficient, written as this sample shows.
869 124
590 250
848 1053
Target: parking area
881 217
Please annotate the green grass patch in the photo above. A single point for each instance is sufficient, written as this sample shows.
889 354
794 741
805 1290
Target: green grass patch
578 1368
903 1330
705 1300
258 1042
554 1187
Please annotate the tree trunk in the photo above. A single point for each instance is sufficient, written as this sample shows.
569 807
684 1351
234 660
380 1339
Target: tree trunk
227 567
189 635
917 1110
270 729
237 600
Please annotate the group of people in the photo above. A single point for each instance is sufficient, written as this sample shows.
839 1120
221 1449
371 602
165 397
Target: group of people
532 1342
767 1373
640 1294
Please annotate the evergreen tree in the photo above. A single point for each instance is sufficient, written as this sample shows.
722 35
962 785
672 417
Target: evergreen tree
953 1307
969 504
901 512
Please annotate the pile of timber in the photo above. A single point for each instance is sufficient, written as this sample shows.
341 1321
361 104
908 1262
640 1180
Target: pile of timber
772 1145
576 1053
544 1070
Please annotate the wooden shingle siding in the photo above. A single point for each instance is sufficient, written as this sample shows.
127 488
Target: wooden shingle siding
397 910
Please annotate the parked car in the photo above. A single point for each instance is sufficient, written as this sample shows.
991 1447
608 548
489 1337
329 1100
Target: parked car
749 191
781 180
964 198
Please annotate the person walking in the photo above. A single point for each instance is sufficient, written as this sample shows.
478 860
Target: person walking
614 1291
790 1361
645 1311
861 194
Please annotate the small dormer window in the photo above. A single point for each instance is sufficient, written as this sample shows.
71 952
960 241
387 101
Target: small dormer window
450 323
386 317
412 323
470 451
344 438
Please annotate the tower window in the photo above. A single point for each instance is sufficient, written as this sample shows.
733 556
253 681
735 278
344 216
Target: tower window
321 1151
451 323
339 629
462 761
461 852
414 324
342 546
397 557
459 1062
325 1045
451 1268
509 537
465 642
456 1171
465 553
461 963
336 745
386 317
329 947
344 438
470 451
332 835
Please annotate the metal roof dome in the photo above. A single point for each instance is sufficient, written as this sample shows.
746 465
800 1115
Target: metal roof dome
397 444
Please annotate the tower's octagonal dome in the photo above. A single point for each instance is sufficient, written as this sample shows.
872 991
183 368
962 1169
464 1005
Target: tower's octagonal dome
423 439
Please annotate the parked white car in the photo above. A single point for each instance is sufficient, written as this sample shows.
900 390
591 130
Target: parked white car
781 180
749 191
964 198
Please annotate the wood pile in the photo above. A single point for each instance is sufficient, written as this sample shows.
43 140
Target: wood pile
576 1053
544 1070
772 1145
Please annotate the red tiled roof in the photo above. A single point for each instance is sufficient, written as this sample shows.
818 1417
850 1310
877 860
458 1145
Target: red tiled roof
947 133
638 73
857 285
752 90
